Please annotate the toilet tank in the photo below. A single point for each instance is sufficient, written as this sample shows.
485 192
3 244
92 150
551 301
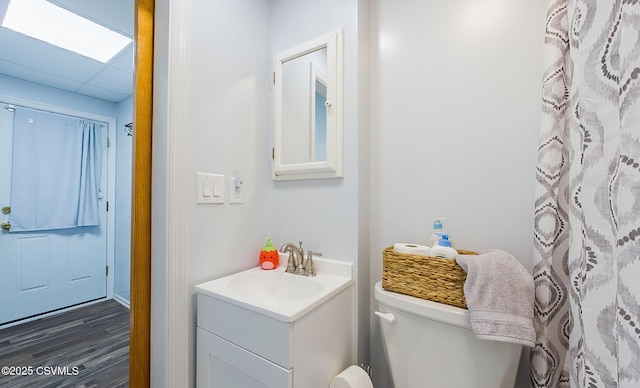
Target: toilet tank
429 344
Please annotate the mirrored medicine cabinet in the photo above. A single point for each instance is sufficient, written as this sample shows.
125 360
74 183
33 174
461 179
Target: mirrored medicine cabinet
308 103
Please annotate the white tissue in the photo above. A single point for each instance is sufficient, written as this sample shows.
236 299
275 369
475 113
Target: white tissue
412 249
352 377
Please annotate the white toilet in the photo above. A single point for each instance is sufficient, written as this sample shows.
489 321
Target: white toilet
431 345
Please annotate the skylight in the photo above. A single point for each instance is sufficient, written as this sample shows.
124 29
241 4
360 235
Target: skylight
44 21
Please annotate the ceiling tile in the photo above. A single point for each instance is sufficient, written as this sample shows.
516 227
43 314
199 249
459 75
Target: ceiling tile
35 61
113 79
104 94
38 55
124 59
115 14
37 76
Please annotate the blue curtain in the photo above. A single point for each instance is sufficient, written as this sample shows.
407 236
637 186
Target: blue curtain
55 174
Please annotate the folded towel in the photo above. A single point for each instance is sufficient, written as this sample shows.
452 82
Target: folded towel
500 294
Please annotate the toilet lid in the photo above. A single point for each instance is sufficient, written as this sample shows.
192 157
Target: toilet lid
424 308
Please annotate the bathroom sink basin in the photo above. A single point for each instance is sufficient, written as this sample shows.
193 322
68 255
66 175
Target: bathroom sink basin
274 285
278 294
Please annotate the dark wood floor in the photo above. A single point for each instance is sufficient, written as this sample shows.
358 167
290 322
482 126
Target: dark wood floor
92 342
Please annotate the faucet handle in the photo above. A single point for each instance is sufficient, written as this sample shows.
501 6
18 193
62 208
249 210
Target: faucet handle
291 264
309 268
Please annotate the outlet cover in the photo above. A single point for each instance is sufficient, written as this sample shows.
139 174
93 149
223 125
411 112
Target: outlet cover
235 193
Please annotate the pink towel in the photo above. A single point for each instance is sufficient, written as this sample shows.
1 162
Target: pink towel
500 296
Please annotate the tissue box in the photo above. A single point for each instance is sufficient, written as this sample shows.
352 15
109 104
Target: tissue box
432 278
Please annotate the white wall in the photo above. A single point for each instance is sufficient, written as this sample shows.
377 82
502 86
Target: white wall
216 63
122 262
159 352
28 91
228 131
211 114
364 181
453 95
324 213
455 113
321 213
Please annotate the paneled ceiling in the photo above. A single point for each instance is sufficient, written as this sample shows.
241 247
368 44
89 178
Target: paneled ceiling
36 61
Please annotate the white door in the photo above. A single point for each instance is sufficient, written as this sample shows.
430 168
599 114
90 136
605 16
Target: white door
50 270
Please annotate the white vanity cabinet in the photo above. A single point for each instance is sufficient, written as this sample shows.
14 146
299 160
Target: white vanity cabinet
242 347
223 364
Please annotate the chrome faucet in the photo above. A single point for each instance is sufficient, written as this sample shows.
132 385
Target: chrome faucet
297 264
296 256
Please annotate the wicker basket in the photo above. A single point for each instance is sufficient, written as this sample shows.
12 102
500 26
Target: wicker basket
432 278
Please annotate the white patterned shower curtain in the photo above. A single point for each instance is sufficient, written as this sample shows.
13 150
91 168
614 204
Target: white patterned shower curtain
587 211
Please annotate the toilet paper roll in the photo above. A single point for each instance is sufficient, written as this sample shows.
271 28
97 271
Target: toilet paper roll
352 377
412 249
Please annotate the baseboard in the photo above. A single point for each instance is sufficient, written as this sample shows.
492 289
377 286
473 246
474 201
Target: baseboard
55 312
125 302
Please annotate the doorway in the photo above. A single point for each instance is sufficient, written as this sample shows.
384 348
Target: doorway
141 213
34 71
55 243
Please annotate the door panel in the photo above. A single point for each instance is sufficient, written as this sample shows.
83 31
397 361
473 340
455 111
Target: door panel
32 259
48 270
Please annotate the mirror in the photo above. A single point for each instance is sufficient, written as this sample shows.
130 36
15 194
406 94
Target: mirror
308 110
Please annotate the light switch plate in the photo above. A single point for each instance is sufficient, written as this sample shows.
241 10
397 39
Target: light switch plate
210 189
